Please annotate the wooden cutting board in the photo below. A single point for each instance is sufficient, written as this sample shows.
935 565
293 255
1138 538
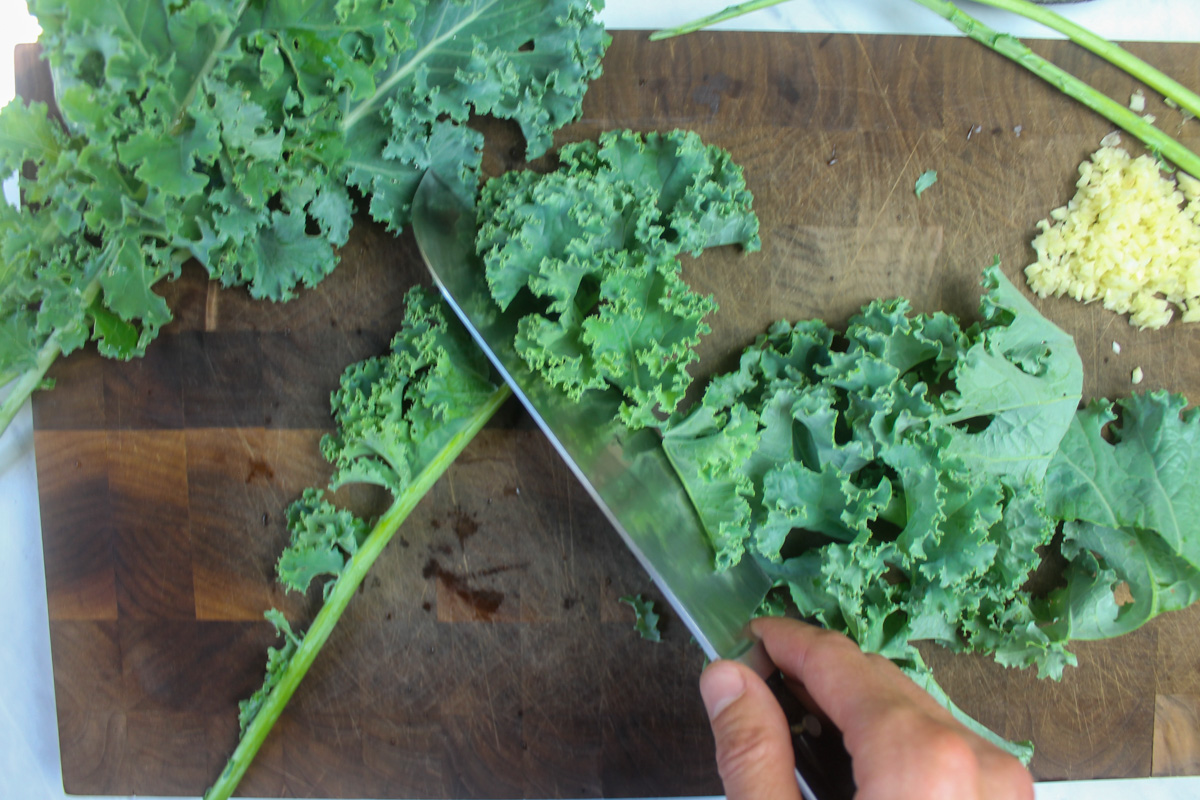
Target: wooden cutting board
487 654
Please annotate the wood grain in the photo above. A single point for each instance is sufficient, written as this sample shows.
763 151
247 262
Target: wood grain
487 655
1176 735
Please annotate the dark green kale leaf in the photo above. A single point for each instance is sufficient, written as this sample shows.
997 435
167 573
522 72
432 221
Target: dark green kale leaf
396 413
185 135
324 538
232 132
1020 380
890 479
597 243
404 416
1127 479
525 60
221 125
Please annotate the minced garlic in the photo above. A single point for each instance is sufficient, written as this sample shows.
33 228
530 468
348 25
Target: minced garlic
1130 237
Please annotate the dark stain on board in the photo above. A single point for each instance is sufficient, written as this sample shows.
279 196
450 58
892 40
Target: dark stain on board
484 603
259 469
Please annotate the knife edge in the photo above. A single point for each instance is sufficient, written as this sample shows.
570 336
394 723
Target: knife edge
626 473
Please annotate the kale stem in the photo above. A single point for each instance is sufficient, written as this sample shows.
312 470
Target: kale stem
29 380
919 672
369 104
344 589
1068 84
1160 143
712 19
219 44
1109 51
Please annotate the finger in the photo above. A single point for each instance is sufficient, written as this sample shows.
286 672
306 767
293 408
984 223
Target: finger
754 748
1005 777
904 743
923 757
838 662
852 689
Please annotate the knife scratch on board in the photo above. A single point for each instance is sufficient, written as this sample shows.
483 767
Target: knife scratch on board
862 242
491 716
1087 729
880 90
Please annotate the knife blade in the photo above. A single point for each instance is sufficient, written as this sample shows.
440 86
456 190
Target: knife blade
627 474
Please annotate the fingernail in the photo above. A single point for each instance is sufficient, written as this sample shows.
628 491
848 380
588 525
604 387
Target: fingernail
720 685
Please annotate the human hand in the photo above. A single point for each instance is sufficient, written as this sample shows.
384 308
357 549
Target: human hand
903 744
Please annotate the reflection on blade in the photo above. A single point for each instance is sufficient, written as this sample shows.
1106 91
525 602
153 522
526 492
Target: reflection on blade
626 473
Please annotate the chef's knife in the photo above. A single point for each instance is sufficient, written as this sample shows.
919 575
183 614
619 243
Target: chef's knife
628 475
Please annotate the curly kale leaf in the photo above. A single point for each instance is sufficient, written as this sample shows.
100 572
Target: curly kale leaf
402 419
324 538
277 660
525 60
645 617
232 131
396 413
724 447
1127 479
902 483
217 125
1020 381
185 135
596 244
890 477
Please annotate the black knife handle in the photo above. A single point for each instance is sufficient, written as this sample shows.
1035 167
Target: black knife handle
822 763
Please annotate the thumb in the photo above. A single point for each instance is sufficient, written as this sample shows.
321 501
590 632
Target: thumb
754 747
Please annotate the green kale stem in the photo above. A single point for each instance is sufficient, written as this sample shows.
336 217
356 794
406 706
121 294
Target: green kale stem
214 51
1113 53
366 106
345 587
712 19
1068 84
915 668
1158 142
28 382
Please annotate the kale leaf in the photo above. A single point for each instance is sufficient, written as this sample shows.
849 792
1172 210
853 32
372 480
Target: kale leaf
645 617
596 244
402 418
891 478
233 132
1131 499
901 483
525 60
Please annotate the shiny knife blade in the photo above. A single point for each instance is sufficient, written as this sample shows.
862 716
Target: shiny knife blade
626 472
628 475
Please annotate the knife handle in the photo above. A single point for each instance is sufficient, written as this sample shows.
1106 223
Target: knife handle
823 767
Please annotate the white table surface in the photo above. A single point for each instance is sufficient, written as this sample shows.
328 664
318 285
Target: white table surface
29 755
